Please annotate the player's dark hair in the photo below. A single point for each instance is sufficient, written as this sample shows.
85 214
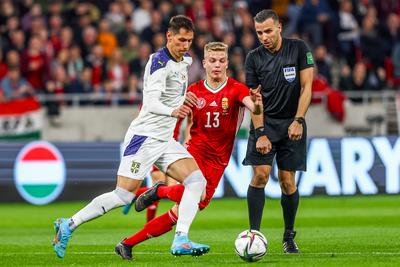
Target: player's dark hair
180 21
265 14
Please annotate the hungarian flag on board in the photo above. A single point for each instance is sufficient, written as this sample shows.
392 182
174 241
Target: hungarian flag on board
20 119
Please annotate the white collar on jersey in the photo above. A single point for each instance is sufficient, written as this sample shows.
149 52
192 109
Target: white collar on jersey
216 90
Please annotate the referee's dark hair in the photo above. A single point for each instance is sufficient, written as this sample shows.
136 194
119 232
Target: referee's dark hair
180 21
265 14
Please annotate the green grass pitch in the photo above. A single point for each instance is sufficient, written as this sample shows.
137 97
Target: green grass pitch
332 231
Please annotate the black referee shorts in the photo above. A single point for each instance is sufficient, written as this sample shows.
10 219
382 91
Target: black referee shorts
290 154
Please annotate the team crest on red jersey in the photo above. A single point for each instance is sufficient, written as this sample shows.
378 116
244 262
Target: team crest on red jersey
201 103
225 104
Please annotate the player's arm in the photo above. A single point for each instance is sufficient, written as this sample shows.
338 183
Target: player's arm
295 130
188 126
306 66
263 145
156 85
254 101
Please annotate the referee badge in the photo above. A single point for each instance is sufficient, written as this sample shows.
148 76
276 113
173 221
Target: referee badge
135 167
289 73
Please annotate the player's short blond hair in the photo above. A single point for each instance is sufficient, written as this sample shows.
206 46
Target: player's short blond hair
215 46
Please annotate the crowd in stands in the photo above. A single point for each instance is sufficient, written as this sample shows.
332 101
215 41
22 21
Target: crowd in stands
99 48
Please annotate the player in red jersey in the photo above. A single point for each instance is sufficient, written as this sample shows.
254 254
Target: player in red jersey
217 111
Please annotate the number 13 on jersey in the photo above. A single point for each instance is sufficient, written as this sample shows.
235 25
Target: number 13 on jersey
212 120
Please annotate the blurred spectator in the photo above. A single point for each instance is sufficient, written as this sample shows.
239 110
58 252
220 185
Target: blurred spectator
106 38
3 66
221 21
293 15
314 16
55 89
155 27
142 16
75 63
13 86
115 17
158 41
196 70
247 42
17 41
131 93
34 12
372 48
137 65
236 62
117 71
13 58
390 32
323 62
199 8
89 40
35 67
166 10
361 79
130 51
97 63
82 83
349 32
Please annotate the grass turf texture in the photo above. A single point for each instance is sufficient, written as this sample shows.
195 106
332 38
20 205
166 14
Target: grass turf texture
332 231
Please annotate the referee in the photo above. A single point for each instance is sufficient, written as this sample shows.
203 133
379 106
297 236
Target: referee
284 70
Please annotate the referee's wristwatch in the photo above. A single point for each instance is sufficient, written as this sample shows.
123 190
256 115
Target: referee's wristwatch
300 120
260 131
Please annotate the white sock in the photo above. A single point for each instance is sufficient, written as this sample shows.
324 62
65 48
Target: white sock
194 184
100 205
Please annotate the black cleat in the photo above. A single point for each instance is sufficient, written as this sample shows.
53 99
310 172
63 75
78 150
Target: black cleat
289 245
125 251
148 197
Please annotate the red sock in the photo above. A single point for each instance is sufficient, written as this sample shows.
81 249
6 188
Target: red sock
155 227
173 192
141 191
151 211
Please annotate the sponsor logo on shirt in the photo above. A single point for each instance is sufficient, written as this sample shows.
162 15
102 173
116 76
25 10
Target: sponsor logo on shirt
289 73
214 104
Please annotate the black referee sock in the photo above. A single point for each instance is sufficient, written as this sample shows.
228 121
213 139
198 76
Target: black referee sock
255 205
289 205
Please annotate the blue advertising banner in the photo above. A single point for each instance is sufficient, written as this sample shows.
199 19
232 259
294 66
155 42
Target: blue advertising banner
335 166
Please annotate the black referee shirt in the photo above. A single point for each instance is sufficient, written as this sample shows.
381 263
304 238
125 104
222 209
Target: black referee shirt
279 76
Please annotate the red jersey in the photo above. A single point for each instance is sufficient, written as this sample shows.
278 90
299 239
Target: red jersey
216 120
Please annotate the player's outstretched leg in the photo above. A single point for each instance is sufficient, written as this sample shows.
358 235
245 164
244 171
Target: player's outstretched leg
96 208
183 246
125 251
148 197
63 234
289 245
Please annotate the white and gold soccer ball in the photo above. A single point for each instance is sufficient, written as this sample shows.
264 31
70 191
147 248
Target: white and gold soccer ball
251 245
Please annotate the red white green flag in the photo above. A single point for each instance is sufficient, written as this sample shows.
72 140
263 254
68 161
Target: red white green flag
20 119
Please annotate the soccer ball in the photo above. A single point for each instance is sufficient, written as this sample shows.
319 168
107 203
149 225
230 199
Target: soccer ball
251 245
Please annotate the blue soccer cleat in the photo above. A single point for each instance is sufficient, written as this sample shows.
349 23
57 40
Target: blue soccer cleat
183 246
127 207
63 234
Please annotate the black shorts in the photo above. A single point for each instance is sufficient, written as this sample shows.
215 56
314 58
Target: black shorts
290 154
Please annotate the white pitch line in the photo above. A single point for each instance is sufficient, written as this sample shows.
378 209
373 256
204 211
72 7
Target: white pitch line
215 253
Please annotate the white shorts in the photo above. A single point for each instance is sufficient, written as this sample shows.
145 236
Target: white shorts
142 152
